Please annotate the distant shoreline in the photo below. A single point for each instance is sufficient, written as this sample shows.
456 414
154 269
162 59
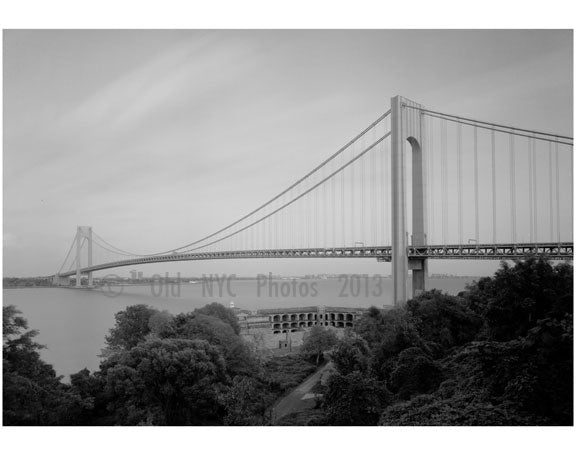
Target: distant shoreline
199 282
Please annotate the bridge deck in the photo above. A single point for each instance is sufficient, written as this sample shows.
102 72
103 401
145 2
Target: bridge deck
381 253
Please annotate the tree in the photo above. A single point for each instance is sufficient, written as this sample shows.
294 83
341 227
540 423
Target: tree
132 326
316 341
238 356
221 312
517 297
160 324
415 373
443 320
350 354
32 393
370 326
354 399
245 403
166 382
397 332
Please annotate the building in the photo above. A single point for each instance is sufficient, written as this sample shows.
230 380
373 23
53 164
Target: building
281 328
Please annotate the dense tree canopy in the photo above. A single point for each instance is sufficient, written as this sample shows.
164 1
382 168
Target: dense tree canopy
350 354
316 341
132 326
499 353
32 393
219 311
166 382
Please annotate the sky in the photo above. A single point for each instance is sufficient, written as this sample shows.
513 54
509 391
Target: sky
156 138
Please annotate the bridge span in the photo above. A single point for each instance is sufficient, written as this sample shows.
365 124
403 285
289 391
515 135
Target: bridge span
422 182
382 254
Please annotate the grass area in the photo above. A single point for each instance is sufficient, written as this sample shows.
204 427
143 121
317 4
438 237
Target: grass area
286 372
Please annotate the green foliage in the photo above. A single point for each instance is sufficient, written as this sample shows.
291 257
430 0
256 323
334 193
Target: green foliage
285 372
527 381
443 321
238 356
498 354
350 354
517 370
354 399
517 297
221 312
397 331
457 411
32 393
415 373
371 326
244 403
166 382
132 327
316 341
160 324
91 388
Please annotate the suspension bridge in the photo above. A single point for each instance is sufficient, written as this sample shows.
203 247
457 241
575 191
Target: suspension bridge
415 185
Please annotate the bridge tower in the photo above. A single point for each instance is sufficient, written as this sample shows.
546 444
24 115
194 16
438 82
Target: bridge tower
407 129
83 232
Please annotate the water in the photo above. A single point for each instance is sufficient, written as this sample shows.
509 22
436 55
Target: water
73 323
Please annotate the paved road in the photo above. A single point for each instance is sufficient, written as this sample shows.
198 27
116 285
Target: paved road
301 397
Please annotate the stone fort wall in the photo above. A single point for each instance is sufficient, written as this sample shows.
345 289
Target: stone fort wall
284 328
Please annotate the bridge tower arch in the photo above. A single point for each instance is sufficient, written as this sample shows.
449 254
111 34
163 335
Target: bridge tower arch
407 129
83 233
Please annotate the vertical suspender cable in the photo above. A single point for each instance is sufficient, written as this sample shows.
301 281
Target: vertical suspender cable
476 214
316 219
342 205
373 217
333 187
444 164
493 188
386 219
531 188
571 195
362 196
550 191
557 192
459 162
310 222
430 182
352 200
252 233
512 185
325 209
535 169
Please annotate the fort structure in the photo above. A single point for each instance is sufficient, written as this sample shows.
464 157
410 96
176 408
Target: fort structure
284 328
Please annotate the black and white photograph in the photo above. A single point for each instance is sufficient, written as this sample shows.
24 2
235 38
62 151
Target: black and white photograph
287 227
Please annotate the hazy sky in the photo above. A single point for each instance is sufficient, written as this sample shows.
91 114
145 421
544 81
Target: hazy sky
156 138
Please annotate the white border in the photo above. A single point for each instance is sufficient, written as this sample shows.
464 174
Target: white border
288 14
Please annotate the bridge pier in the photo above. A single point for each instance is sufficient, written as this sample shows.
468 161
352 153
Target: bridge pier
407 127
419 269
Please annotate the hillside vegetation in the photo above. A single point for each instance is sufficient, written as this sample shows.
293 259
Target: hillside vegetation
499 353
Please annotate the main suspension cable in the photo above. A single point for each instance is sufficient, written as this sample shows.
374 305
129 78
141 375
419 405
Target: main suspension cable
68 254
480 122
361 154
342 149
